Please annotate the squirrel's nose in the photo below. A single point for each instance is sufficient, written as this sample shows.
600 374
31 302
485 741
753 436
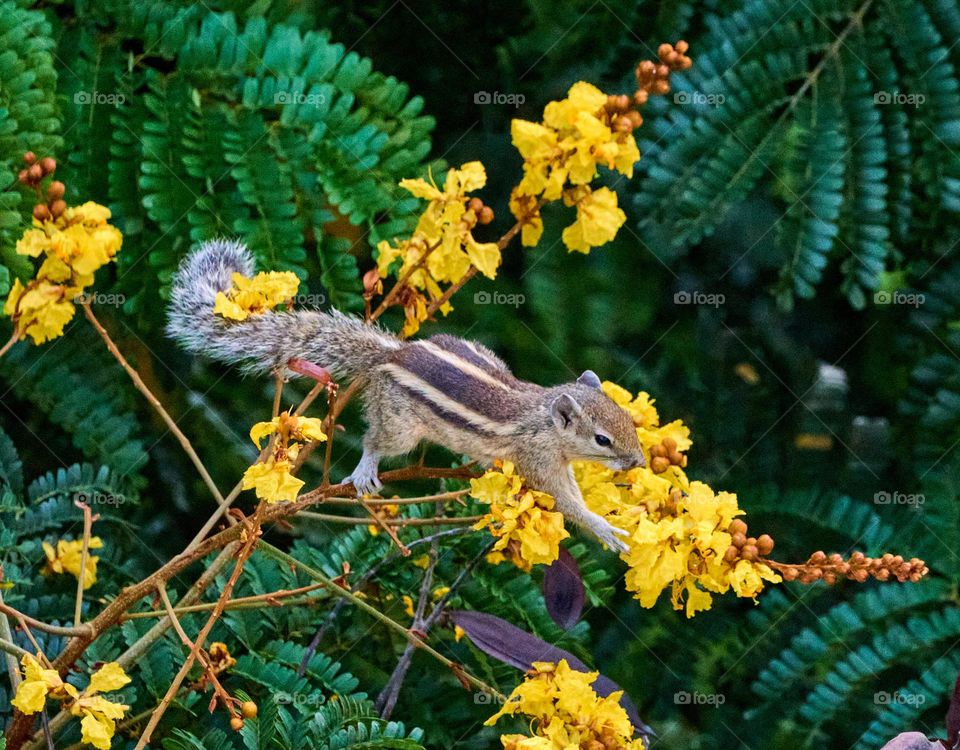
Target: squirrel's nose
640 460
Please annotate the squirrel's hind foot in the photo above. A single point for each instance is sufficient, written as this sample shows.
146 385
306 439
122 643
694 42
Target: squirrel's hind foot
364 478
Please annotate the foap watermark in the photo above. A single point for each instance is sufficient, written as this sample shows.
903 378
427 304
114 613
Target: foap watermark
883 698
498 97
898 97
101 298
696 297
111 98
696 698
897 297
898 498
698 98
498 298
303 700
299 98
95 497
310 300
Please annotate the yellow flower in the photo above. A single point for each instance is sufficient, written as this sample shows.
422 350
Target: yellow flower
442 249
527 528
440 592
66 557
37 684
598 220
576 136
39 310
566 712
75 244
254 296
99 715
273 481
408 605
641 408
293 427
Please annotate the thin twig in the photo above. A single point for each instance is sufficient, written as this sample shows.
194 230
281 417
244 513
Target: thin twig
84 555
274 599
61 630
252 530
271 551
387 699
10 342
154 401
6 634
389 524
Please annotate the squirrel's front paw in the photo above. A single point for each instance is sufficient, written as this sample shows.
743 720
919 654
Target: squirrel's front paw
611 535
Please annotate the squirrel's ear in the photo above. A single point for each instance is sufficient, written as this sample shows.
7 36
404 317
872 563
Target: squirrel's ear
589 378
564 410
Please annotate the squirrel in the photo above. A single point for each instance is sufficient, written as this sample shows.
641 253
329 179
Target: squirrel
446 390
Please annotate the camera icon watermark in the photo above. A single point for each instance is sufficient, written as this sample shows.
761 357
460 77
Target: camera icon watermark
684 698
698 298
85 98
898 498
883 698
483 698
299 98
498 97
898 97
499 298
897 297
699 98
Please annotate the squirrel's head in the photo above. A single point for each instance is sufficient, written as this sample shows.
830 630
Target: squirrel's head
592 427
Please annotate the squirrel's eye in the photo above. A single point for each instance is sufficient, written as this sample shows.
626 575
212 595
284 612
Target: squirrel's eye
602 440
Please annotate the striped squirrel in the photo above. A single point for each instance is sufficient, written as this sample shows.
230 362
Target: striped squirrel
452 392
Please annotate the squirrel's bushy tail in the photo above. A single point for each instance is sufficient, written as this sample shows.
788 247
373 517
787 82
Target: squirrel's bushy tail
343 344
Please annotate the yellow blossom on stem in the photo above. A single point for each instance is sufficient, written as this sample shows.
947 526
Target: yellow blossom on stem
66 557
273 478
256 295
527 528
566 712
98 714
442 249
39 683
561 155
74 245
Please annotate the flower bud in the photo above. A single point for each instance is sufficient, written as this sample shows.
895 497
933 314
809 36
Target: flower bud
249 710
29 158
41 212
236 723
57 208
765 544
48 164
486 215
475 204
55 190
35 173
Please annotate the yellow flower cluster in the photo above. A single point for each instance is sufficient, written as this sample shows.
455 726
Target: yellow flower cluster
99 715
680 535
560 160
66 558
253 296
442 248
527 528
679 530
273 479
74 246
566 712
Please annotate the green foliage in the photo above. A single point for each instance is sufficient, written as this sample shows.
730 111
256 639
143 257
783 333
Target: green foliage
807 161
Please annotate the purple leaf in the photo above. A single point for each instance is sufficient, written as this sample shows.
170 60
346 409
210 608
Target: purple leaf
953 716
506 642
563 590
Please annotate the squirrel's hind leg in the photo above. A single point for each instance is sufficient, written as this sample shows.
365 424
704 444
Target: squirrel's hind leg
393 429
